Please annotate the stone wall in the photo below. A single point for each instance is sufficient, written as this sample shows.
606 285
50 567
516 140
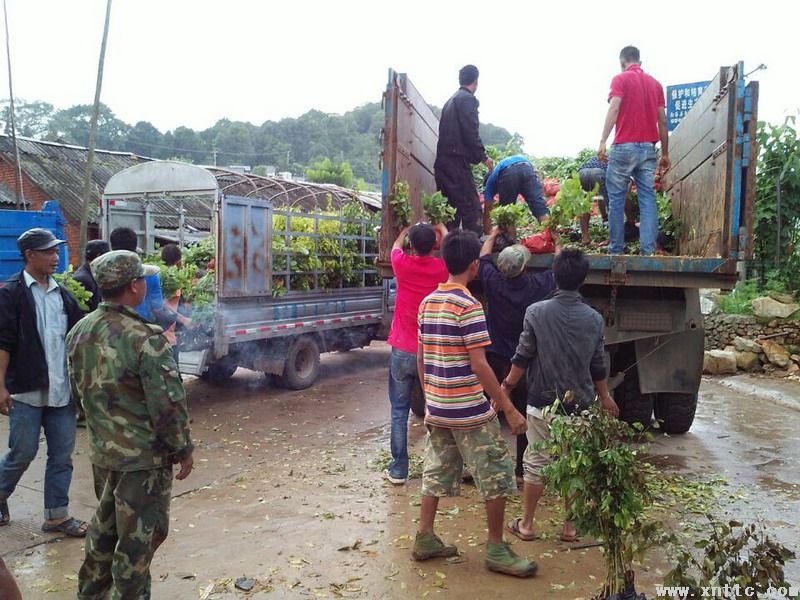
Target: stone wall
721 329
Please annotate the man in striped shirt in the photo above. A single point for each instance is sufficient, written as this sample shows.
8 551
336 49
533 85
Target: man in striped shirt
462 423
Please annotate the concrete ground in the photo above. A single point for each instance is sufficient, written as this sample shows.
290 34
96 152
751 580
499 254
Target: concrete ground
285 491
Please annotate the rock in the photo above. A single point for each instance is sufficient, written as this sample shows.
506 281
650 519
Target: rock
793 368
795 358
781 297
776 353
768 307
772 324
744 345
747 361
719 362
709 302
730 349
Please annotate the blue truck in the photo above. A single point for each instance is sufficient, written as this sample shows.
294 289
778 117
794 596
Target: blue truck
654 327
14 222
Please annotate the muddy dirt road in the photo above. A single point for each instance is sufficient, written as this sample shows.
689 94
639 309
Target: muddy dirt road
285 492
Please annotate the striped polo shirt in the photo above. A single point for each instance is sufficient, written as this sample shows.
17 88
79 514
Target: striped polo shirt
451 322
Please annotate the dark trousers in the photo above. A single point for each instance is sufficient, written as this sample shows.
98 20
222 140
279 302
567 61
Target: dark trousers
520 180
519 398
454 179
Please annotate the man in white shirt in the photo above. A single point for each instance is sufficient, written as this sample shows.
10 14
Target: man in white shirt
35 316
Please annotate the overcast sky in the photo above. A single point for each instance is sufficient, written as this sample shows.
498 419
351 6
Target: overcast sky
545 67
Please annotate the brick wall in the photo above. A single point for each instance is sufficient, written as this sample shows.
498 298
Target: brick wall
36 197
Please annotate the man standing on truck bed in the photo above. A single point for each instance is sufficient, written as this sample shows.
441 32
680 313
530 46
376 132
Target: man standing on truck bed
417 276
459 148
512 177
637 111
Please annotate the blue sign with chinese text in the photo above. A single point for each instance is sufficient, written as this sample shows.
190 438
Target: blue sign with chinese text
680 99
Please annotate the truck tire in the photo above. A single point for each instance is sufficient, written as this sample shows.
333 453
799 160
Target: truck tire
302 364
417 400
634 406
219 371
675 411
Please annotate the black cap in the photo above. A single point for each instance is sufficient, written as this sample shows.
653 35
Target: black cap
37 239
95 248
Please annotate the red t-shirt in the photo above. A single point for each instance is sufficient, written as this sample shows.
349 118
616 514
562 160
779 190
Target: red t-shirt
641 97
417 276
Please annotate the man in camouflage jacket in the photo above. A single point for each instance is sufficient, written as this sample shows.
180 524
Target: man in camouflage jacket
123 371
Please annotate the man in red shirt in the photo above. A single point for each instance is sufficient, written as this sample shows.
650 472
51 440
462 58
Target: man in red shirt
636 110
417 275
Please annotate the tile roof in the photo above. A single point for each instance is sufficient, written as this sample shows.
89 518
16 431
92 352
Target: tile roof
58 170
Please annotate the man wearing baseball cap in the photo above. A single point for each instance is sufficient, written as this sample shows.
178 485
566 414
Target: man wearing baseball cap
35 315
136 417
509 290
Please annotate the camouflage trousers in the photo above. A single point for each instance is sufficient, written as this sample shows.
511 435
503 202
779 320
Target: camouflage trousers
482 449
131 522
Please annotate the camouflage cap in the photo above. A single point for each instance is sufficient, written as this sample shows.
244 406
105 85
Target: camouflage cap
119 267
512 260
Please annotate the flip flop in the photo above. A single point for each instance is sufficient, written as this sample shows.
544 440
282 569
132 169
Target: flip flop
513 528
5 516
569 538
72 527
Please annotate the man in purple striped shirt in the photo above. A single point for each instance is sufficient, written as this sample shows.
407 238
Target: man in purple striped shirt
462 423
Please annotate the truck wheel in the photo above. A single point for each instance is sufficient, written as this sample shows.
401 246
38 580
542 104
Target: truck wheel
219 371
302 364
634 406
676 411
417 400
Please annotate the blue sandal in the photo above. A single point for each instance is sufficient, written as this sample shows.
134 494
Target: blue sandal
72 527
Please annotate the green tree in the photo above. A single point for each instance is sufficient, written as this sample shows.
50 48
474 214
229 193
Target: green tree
326 171
146 140
233 141
186 144
777 243
72 126
32 118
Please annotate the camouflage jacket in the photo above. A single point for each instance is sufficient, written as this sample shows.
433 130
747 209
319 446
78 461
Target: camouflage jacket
126 379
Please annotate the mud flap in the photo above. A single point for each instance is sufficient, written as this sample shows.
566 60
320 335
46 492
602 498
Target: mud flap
671 363
193 362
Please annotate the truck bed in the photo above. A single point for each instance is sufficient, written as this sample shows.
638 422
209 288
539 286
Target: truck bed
712 184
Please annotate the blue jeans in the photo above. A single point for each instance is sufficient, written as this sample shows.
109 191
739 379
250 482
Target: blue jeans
402 379
638 161
25 423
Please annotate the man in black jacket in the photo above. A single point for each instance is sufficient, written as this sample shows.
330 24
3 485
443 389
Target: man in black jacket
35 393
83 274
459 147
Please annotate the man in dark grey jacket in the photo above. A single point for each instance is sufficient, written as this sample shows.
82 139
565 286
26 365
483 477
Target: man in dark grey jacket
83 274
459 148
562 348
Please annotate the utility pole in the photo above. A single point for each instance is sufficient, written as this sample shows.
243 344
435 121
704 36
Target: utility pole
20 195
87 177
